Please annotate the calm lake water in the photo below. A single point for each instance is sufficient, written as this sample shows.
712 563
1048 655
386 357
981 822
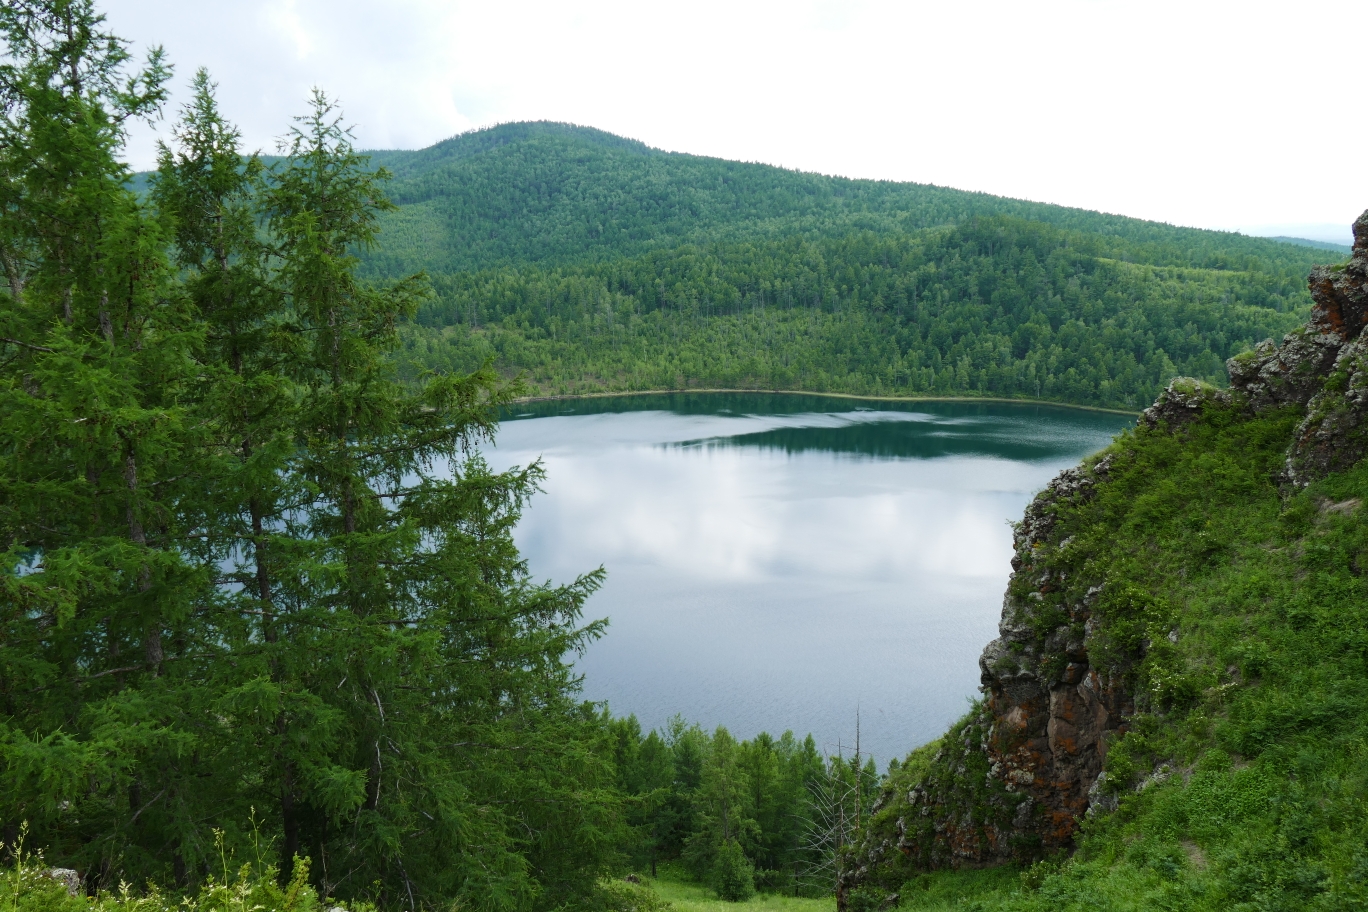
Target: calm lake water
778 562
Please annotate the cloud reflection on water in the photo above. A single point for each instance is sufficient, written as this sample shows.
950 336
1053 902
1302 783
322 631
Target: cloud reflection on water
772 570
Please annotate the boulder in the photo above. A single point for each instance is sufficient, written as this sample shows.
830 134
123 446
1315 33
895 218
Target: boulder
68 878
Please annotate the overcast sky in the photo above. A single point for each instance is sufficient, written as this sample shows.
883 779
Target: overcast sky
1243 115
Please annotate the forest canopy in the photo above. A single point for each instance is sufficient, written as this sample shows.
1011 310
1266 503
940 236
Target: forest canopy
998 306
589 262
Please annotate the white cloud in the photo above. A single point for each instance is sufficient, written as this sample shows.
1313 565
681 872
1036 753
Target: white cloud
1212 114
285 19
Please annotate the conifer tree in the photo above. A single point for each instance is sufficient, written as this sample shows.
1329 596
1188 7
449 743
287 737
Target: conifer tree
209 193
100 451
244 567
726 814
413 652
733 875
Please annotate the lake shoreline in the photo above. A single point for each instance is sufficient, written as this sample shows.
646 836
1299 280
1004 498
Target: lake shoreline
866 398
752 537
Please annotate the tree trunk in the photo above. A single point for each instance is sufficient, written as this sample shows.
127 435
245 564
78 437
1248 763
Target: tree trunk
290 824
152 640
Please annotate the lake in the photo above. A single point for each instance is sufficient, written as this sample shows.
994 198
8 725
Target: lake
784 562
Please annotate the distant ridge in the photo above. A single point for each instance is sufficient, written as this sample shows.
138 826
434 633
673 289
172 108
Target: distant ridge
1344 249
545 193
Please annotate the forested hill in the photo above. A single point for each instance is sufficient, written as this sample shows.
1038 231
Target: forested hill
588 262
554 193
998 306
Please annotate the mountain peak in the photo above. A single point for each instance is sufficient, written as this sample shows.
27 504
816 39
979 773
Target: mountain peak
488 139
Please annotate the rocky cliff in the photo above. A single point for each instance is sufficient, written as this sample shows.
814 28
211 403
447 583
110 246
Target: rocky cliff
1014 778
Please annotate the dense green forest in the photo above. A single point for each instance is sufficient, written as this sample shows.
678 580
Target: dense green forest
1319 245
998 306
549 193
587 262
769 813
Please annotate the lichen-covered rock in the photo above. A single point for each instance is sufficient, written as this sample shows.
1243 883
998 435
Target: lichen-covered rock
1271 376
1013 779
1334 433
1294 372
962 812
1181 402
1053 711
66 877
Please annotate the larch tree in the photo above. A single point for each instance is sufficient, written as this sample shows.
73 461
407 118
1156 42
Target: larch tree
251 581
110 632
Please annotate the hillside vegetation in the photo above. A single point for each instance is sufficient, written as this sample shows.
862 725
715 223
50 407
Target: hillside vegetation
552 193
1179 689
591 262
999 306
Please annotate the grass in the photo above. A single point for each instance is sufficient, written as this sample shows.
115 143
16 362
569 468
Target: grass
957 889
686 895
941 890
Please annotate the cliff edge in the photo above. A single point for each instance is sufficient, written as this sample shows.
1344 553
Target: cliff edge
1082 649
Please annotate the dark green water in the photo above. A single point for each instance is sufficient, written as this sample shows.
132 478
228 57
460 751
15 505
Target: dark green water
776 562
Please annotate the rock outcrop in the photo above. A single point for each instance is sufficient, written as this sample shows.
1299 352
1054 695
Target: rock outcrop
1182 401
1341 292
1318 367
1014 778
1334 433
1271 376
1052 710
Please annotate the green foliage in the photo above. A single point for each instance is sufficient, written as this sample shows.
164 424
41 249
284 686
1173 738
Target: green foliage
700 798
243 565
27 888
595 263
733 876
620 896
726 810
953 769
1236 608
994 307
27 885
554 193
686 895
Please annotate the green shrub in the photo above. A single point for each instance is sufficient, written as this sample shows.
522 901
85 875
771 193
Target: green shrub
733 875
29 889
621 896
1033 877
27 886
